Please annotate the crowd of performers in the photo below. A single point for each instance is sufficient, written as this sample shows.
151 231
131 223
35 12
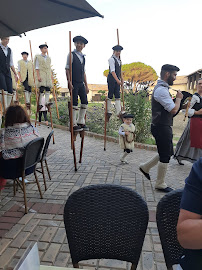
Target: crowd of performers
164 108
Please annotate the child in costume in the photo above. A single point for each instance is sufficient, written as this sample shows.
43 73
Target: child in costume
79 84
114 80
44 75
25 73
126 137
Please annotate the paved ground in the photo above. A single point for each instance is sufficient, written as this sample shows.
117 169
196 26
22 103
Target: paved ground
44 222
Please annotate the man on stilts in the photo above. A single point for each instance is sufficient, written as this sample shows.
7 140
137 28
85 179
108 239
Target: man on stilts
114 81
6 62
42 63
163 109
25 73
79 84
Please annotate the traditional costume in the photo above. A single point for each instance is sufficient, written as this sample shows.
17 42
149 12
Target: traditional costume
6 61
189 146
113 86
161 129
126 142
42 63
79 88
25 69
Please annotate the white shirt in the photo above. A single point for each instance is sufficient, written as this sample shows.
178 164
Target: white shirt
37 62
162 95
5 50
80 56
26 62
112 63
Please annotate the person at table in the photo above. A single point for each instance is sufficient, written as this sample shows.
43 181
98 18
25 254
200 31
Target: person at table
18 132
189 227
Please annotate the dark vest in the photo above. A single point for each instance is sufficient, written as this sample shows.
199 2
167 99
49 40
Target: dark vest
5 61
159 115
77 69
197 106
117 70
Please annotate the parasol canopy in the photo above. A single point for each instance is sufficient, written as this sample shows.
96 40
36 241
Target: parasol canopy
20 16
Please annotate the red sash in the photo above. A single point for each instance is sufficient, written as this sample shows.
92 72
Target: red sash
196 132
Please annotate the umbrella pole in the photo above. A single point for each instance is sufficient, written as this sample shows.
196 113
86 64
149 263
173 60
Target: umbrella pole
71 104
105 127
37 99
122 92
54 93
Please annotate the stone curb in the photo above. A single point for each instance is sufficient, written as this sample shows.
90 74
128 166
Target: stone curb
109 138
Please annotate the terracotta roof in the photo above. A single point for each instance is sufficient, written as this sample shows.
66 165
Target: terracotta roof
63 90
97 87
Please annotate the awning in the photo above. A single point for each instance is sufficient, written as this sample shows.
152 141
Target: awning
20 16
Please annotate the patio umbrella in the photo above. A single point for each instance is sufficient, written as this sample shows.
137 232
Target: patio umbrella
20 16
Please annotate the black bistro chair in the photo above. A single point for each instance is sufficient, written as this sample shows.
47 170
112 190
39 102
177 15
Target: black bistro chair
29 161
167 215
42 159
105 221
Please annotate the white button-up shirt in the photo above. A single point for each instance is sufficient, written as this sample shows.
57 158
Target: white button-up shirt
112 63
80 56
5 50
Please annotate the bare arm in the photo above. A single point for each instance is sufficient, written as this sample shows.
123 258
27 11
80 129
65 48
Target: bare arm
189 230
86 84
177 106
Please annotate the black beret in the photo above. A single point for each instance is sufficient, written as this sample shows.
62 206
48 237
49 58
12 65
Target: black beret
25 53
168 67
117 48
43 45
80 38
128 116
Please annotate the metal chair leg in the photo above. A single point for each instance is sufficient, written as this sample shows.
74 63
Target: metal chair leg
37 181
25 196
44 179
47 169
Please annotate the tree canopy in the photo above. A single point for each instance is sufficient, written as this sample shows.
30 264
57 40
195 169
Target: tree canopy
137 71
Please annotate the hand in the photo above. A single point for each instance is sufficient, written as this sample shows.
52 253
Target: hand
70 86
200 112
119 82
39 79
179 95
127 133
87 90
16 78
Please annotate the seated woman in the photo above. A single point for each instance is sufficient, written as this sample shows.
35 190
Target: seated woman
18 132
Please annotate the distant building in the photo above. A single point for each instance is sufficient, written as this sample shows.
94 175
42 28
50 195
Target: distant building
93 91
192 79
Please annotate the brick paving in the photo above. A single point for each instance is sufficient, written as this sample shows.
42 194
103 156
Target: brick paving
44 222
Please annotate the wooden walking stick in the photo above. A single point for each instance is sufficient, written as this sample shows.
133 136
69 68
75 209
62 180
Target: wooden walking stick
54 92
122 90
71 104
37 99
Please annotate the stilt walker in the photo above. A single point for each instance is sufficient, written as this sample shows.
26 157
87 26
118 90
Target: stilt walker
114 81
77 84
42 63
6 62
26 76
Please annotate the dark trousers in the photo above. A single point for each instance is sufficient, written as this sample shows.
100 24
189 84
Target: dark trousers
79 90
12 168
6 82
42 89
113 88
44 115
26 85
164 140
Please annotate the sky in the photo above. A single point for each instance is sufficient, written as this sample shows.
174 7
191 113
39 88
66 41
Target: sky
154 32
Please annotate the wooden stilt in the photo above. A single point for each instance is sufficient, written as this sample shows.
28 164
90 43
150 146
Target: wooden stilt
105 127
3 100
82 134
49 109
37 99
